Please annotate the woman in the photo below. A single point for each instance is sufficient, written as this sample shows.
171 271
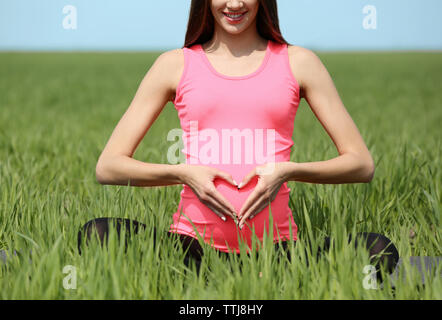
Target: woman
236 77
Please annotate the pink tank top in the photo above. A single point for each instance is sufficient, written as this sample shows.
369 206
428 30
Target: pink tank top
235 123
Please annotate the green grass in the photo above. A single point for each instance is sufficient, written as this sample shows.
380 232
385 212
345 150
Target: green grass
57 111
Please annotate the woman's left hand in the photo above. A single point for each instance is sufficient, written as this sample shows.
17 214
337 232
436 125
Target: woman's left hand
270 180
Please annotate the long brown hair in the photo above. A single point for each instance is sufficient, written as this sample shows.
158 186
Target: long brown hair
201 23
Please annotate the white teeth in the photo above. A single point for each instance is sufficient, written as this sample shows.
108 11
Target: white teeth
236 16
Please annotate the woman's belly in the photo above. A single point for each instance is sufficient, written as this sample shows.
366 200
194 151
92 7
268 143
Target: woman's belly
196 216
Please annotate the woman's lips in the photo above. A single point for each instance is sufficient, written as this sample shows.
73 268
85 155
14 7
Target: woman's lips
235 20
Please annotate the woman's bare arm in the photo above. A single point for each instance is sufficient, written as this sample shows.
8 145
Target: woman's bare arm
115 164
354 163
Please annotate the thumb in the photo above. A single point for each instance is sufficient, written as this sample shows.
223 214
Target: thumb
247 178
226 176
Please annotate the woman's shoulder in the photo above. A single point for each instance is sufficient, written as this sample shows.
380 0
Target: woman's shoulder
298 52
303 62
172 65
171 61
171 58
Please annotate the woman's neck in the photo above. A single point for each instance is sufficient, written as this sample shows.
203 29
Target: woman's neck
236 45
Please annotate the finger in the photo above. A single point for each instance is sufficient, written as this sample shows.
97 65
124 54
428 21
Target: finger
214 193
247 178
259 202
219 208
222 203
257 211
213 205
254 210
218 213
226 176
252 198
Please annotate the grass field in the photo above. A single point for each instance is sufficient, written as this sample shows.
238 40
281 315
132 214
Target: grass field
57 111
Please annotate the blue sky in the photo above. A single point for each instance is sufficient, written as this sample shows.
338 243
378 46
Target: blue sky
161 25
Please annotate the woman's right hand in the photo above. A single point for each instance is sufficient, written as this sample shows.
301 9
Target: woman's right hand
200 179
